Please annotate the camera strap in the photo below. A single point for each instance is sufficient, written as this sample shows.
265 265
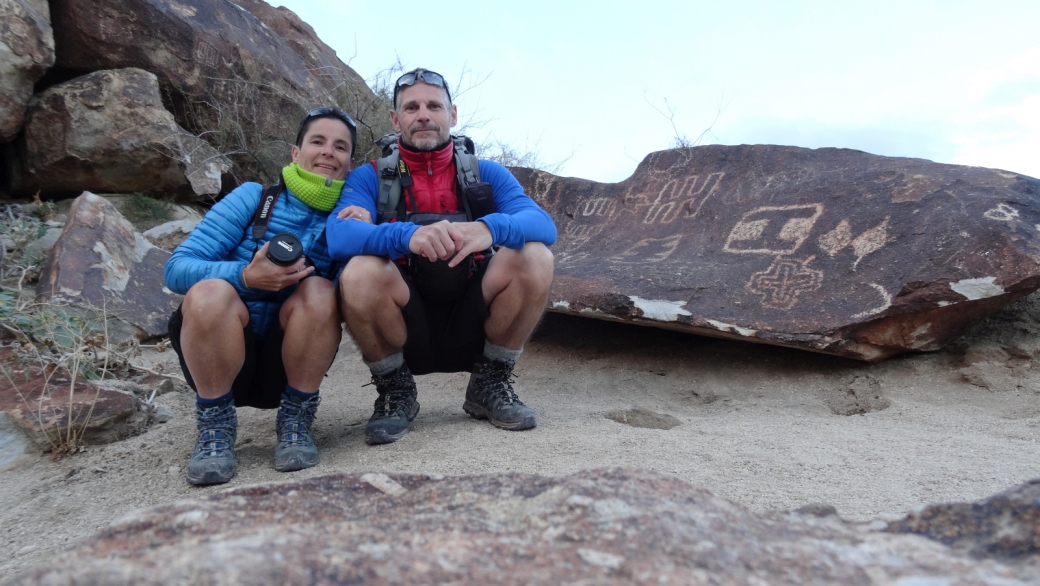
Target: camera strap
264 209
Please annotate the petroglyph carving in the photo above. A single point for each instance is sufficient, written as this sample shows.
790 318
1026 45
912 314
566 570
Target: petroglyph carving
784 281
205 54
834 241
649 250
773 230
598 206
689 193
870 241
1002 213
887 302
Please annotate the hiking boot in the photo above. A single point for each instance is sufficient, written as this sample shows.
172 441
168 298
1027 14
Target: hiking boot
490 396
213 461
296 449
395 407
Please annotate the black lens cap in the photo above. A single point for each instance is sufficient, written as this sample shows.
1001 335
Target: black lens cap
284 249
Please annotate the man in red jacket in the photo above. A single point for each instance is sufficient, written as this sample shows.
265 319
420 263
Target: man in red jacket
421 295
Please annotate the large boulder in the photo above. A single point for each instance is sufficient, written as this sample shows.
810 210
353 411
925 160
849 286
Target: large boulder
830 250
26 53
109 132
224 70
108 270
595 527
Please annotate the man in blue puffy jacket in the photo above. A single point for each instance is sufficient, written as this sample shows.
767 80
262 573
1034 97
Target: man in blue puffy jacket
425 291
252 331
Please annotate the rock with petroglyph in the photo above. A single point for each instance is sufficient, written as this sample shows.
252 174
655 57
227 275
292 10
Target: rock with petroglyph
242 68
108 131
594 527
830 250
105 269
26 53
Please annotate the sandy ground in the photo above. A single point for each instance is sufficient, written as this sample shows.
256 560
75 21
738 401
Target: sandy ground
756 424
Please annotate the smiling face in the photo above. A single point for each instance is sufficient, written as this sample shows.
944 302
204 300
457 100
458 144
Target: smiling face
325 149
423 116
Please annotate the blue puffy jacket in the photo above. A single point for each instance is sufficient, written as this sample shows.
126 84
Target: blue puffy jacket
222 245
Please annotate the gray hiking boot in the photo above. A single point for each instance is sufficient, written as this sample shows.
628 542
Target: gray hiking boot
395 407
296 449
490 396
213 461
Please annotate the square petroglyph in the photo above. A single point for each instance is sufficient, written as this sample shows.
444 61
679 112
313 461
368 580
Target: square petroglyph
205 54
774 230
784 281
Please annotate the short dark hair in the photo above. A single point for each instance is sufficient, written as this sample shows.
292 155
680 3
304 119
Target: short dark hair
327 112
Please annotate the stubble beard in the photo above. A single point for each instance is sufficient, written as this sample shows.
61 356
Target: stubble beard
426 143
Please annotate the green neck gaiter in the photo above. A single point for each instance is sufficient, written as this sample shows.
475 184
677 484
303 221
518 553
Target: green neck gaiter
311 188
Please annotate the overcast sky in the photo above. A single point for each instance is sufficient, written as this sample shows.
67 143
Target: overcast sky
954 82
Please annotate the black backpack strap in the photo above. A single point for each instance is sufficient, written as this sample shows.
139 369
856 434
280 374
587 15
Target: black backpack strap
264 209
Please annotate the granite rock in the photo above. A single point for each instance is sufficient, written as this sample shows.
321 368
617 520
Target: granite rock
611 526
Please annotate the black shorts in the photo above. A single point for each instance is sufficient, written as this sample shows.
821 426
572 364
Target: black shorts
445 336
262 379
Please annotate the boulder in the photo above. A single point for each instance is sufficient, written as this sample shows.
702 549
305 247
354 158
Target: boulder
169 235
223 69
26 53
37 401
595 527
830 250
108 131
102 265
1005 525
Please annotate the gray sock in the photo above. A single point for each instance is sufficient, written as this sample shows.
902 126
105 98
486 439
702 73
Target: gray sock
386 365
496 352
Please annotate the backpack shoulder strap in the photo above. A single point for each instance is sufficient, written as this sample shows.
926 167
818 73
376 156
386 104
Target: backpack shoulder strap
389 187
466 166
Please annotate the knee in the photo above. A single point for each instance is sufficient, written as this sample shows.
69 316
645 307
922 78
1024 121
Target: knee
534 262
366 280
316 297
210 299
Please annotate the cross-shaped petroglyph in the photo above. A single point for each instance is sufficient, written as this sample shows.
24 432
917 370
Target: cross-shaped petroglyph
784 280
774 230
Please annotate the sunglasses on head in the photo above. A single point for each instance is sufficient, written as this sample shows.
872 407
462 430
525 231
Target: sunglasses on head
423 75
327 111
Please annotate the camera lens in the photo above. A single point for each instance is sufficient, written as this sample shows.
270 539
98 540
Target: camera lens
284 249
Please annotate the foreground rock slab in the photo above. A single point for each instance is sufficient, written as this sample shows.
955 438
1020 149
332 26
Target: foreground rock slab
102 265
26 53
830 250
1005 525
595 527
108 131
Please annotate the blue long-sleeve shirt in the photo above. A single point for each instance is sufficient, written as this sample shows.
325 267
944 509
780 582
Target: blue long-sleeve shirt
518 218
